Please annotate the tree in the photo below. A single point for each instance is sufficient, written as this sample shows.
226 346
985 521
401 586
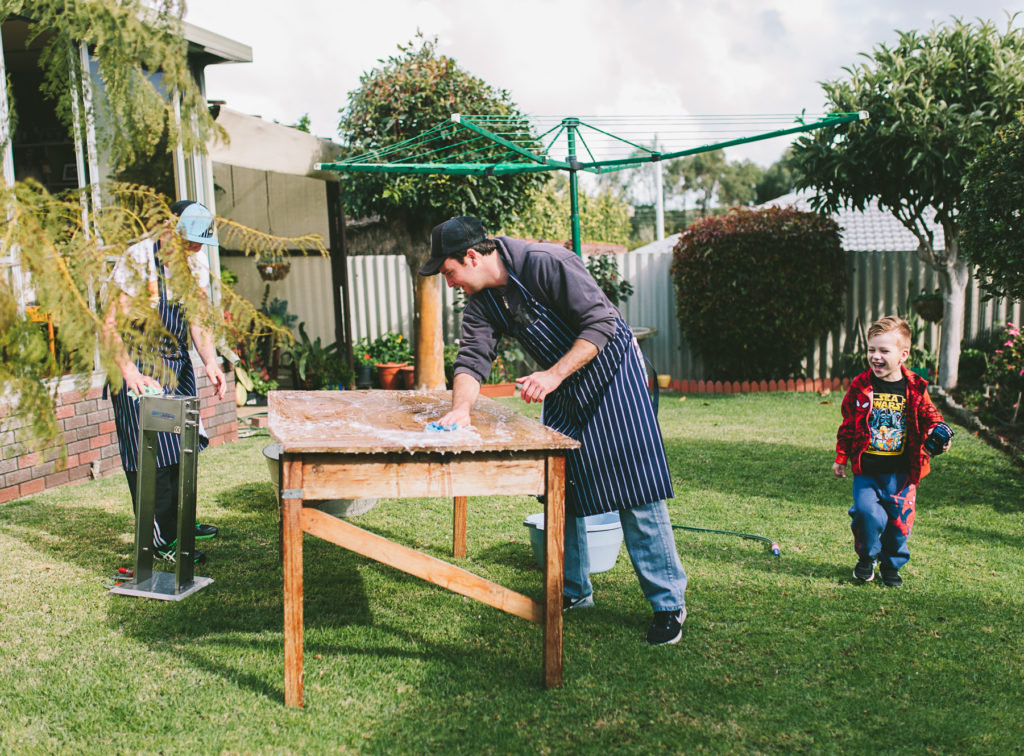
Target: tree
992 233
129 40
778 179
407 95
604 214
63 244
738 183
933 101
700 173
752 287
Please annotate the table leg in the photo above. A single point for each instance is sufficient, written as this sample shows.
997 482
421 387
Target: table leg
459 528
291 546
554 565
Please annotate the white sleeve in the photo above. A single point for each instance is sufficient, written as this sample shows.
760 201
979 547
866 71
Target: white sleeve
199 264
135 265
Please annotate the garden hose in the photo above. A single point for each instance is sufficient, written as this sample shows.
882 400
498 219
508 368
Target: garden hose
772 545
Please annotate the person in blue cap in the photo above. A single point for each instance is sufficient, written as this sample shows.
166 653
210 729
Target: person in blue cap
594 389
142 265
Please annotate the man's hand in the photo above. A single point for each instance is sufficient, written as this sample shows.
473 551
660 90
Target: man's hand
136 381
216 376
536 386
838 470
459 417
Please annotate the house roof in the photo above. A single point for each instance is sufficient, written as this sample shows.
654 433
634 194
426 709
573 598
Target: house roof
268 146
867 230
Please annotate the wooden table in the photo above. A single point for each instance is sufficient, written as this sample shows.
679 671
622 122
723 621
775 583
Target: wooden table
353 444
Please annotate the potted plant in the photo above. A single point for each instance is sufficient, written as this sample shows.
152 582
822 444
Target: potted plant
364 363
315 366
262 384
504 370
389 351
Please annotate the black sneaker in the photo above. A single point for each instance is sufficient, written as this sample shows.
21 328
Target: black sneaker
666 628
205 531
891 576
169 553
865 570
568 604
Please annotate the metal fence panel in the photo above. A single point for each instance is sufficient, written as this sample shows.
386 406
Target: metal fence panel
381 299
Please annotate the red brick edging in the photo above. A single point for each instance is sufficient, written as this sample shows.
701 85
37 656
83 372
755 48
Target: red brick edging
753 387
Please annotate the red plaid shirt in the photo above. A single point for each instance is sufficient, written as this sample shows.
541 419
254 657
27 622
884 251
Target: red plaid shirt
854 433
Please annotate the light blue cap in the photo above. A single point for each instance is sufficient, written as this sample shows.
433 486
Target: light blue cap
195 222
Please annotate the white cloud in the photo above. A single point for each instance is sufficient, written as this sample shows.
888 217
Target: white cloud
566 57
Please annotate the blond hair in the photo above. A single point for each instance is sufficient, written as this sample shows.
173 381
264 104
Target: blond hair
892 323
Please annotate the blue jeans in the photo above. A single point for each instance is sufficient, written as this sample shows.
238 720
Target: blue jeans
651 544
881 517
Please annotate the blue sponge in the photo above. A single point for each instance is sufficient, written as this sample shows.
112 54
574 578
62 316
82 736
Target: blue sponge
436 427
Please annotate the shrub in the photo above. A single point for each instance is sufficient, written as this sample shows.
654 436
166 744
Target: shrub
1006 366
753 287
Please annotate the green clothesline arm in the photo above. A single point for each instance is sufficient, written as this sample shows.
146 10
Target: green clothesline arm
456 118
608 166
453 169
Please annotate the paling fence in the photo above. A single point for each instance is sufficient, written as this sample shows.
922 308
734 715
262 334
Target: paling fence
381 299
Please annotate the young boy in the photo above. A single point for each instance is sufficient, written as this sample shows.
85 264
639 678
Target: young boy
890 428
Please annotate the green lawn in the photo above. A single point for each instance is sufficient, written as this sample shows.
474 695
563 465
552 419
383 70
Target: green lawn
778 655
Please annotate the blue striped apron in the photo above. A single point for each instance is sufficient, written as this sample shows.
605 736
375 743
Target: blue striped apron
604 405
171 358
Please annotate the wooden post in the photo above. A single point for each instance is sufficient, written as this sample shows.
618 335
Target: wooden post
554 565
291 542
429 334
459 527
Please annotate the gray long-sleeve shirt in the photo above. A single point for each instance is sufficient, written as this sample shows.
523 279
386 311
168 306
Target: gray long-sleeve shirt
556 278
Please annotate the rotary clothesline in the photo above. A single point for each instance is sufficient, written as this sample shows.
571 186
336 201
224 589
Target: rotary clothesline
496 145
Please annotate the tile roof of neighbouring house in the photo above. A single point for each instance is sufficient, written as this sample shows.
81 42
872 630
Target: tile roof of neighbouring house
867 230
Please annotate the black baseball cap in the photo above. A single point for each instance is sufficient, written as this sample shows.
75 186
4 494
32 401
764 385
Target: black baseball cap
451 237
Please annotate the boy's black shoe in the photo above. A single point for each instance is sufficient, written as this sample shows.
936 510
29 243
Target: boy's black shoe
666 628
205 531
865 570
169 553
891 576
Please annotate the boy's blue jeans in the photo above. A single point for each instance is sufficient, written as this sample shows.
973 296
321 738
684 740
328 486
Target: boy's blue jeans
651 544
881 517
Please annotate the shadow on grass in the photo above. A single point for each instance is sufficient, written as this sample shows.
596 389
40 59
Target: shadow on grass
798 473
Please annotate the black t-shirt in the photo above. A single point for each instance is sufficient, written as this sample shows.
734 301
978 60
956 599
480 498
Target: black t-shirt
887 419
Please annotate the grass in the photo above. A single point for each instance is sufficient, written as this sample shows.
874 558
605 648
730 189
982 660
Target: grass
778 655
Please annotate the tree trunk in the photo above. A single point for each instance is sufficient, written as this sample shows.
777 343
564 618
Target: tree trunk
954 276
429 333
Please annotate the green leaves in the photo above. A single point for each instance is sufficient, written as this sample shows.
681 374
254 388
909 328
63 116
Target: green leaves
406 95
992 219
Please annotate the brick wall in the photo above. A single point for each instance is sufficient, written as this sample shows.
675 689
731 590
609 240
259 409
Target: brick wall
87 422
753 387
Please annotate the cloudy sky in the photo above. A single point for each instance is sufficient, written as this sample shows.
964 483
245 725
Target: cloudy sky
569 57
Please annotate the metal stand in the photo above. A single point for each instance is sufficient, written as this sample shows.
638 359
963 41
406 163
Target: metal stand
164 414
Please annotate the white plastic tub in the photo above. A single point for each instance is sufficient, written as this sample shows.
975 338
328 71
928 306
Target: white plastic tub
604 539
336 507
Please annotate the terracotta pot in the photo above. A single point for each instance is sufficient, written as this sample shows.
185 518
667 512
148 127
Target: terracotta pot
387 374
406 377
498 389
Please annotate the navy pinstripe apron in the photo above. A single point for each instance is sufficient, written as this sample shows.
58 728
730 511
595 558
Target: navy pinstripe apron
604 405
171 358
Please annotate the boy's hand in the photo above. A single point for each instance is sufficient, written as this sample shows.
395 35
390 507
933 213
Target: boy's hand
838 470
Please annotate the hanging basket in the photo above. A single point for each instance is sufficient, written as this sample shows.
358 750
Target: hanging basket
929 309
273 271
